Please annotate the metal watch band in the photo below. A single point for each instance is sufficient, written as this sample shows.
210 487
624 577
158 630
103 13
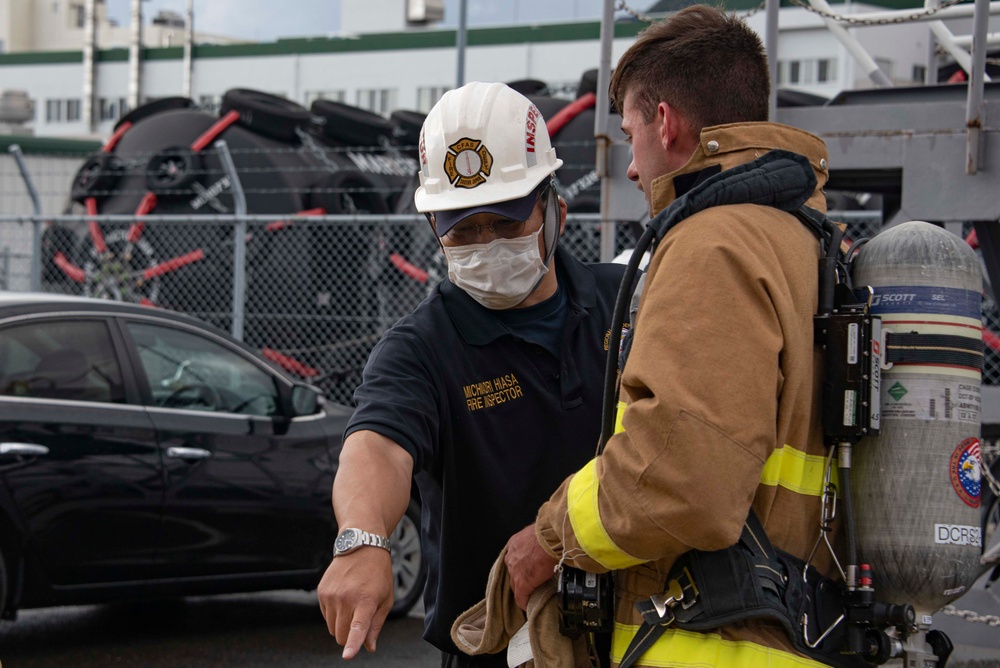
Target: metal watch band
350 539
375 540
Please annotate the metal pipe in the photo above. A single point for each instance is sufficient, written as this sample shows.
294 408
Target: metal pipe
239 239
965 41
36 221
460 40
134 55
89 69
771 8
930 71
947 42
974 107
188 48
903 15
861 56
602 117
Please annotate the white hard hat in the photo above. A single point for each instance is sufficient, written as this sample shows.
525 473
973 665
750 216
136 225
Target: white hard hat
481 144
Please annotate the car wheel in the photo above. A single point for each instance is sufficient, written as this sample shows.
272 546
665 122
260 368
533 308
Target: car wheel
409 571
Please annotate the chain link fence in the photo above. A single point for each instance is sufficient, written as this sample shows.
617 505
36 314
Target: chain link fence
319 290
332 251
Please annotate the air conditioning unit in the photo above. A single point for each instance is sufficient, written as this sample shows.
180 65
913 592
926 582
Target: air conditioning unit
16 106
421 12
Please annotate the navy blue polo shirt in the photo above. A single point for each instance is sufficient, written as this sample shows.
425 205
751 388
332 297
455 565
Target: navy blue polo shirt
494 423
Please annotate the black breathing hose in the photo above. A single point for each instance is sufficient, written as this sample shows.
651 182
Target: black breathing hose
625 291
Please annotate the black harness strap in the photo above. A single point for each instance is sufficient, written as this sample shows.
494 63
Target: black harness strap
750 580
914 348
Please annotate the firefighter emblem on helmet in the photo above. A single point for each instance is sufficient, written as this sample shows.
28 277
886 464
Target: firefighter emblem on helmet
467 163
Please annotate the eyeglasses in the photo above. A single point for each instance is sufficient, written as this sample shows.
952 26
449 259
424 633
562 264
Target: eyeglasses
501 229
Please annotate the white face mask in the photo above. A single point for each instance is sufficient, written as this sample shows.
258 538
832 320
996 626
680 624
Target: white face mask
500 274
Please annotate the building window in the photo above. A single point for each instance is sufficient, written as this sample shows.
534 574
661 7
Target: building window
826 70
72 110
919 73
111 109
794 71
377 100
427 96
333 95
53 111
807 71
79 12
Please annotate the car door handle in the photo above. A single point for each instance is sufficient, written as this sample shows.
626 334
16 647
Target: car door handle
23 449
188 453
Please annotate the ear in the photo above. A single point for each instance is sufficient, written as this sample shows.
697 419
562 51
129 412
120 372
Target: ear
562 215
668 124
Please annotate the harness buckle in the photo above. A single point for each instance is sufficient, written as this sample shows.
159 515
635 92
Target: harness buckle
680 590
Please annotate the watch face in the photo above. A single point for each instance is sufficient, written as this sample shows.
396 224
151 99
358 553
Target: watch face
347 540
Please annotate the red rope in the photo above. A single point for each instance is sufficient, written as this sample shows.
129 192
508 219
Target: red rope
210 134
569 112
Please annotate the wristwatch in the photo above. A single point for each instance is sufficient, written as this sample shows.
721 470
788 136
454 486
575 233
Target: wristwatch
351 539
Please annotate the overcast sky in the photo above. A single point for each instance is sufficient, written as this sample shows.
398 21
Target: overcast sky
267 20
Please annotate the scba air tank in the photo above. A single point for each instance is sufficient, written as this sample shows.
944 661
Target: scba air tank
917 485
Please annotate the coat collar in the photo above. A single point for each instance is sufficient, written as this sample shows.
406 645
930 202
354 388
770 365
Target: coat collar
727 146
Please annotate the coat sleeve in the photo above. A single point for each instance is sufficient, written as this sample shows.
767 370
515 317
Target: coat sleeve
702 385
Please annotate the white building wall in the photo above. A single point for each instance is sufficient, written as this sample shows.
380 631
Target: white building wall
341 75
52 25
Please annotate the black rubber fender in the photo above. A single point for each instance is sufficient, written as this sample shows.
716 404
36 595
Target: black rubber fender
529 87
588 84
406 127
154 107
349 192
59 238
351 125
173 170
267 114
548 106
98 175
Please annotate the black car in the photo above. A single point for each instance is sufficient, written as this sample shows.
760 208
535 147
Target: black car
146 454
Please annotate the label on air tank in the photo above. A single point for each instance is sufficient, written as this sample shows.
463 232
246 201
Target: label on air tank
934 300
923 399
957 534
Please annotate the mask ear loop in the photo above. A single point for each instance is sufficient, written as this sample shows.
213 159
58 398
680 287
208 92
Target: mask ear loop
550 223
430 219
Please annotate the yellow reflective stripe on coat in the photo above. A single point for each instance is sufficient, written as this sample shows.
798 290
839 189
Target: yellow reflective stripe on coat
796 471
585 517
619 427
686 649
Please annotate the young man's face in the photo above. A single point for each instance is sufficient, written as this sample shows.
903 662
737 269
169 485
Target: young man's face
649 140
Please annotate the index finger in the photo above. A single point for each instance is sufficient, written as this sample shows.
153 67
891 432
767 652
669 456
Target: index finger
359 630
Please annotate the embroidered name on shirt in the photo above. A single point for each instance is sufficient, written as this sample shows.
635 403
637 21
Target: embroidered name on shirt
490 393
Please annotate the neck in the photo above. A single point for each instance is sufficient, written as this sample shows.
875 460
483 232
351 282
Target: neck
546 288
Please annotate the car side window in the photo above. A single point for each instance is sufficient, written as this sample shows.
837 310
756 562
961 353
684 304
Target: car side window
192 372
60 359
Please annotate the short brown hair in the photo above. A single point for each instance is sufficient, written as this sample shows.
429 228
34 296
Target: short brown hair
705 63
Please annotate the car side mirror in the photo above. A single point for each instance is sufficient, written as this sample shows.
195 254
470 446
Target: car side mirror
304 400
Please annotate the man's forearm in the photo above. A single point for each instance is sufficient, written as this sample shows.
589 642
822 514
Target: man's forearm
372 486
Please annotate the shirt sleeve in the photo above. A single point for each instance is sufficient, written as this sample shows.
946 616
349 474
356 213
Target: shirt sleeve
399 395
702 384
